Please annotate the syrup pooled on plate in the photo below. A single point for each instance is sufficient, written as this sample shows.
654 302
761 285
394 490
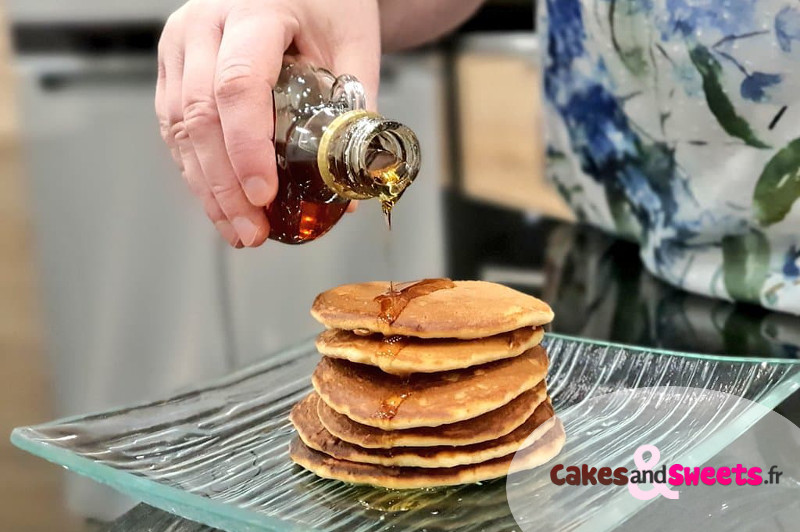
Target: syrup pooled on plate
398 297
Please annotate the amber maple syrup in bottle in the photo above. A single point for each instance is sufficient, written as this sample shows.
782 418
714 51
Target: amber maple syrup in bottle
331 150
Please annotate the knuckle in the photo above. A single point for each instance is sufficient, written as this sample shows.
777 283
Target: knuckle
246 150
235 79
170 45
199 113
177 131
161 72
223 189
175 18
172 23
165 130
195 11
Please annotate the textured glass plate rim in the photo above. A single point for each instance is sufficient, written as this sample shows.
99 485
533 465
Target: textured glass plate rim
215 513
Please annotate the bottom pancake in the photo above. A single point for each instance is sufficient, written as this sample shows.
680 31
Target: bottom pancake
543 450
489 426
314 435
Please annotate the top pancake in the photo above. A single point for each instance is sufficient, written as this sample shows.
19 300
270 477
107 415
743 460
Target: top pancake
470 309
401 355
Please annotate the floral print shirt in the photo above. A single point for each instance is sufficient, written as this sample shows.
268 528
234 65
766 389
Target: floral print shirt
677 123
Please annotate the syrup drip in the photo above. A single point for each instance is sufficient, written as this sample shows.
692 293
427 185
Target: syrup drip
516 337
397 298
389 173
390 405
391 346
386 207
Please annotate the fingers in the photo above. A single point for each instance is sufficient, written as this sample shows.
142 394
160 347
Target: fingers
214 96
200 189
161 113
169 109
248 66
170 66
202 123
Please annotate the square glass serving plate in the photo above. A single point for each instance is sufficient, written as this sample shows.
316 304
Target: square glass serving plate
218 454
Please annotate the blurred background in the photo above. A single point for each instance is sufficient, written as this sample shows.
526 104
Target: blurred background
115 287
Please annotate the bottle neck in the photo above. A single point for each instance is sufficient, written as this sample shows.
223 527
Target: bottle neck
363 155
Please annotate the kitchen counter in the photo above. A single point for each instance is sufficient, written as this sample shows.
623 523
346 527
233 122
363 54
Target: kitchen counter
598 289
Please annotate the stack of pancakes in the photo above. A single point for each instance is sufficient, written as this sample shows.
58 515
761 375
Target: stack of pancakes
431 383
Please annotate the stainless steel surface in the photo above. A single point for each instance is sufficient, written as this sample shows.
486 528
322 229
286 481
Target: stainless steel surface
83 11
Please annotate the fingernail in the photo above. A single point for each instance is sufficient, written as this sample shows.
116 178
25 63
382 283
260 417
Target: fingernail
257 190
248 231
227 231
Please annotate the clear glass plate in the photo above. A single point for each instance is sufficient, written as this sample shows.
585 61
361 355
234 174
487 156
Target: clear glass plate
218 454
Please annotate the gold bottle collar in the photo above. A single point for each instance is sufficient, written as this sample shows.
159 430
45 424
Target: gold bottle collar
338 123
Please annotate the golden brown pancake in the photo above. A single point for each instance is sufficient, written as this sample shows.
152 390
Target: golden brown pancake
543 450
312 432
371 397
488 426
405 354
471 309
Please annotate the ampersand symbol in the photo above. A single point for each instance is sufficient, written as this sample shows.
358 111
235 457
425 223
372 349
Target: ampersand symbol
641 465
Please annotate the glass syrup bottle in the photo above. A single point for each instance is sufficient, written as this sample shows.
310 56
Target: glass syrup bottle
331 150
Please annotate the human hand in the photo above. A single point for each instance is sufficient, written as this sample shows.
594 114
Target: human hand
217 63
